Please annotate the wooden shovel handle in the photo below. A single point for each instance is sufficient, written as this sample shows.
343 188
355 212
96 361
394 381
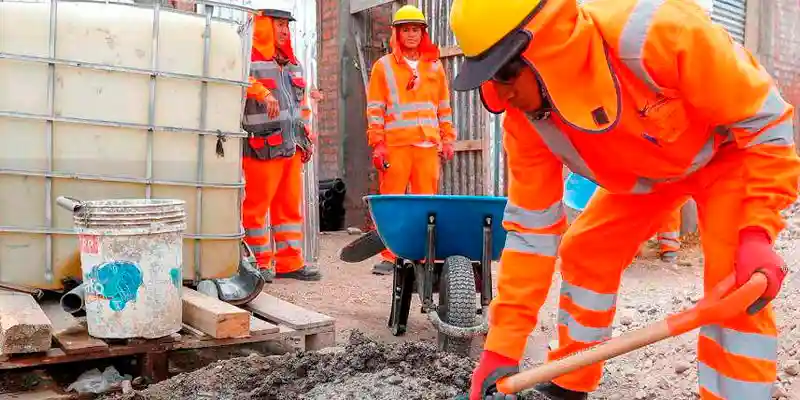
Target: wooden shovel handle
715 307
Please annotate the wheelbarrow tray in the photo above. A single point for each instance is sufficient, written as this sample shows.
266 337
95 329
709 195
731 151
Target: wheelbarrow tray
402 223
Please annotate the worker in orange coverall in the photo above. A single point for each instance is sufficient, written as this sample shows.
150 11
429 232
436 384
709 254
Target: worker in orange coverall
410 120
277 117
655 103
669 236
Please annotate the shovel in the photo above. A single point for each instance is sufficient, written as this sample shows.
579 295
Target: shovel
720 304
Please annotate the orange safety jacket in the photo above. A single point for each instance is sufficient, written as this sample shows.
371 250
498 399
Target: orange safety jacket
403 112
280 136
643 93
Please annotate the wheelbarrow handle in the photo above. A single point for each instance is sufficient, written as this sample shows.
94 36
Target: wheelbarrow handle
715 307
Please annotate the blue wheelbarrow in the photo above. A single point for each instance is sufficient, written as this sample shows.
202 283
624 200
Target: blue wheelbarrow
444 245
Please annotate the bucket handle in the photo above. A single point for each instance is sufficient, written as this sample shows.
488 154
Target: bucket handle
69 203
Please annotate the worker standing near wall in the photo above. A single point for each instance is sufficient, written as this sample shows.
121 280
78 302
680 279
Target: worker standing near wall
656 104
409 117
278 119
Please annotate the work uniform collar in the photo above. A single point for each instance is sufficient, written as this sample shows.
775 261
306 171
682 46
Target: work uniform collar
571 61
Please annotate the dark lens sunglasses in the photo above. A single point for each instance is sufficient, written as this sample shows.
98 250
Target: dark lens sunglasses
508 72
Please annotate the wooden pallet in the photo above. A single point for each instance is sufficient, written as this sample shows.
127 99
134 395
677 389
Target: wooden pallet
269 319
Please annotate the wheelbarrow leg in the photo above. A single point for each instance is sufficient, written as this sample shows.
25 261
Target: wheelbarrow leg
402 289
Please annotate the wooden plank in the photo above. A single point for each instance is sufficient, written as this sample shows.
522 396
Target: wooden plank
468 145
356 6
70 334
24 328
213 317
260 327
450 51
282 312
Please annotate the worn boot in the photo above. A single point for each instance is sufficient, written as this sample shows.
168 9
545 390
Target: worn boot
670 257
383 268
267 273
555 392
307 273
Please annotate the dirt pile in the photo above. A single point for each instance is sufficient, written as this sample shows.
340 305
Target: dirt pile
362 369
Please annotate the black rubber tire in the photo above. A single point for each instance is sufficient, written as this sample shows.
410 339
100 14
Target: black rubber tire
457 302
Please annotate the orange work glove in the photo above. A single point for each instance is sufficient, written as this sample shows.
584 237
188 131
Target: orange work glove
380 156
755 254
448 152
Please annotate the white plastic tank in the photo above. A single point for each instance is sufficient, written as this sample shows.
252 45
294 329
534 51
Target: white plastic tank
109 101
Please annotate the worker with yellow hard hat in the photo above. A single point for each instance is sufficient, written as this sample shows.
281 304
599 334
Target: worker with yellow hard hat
656 104
410 120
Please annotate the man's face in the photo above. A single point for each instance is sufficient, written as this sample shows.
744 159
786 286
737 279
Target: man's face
410 35
281 27
517 85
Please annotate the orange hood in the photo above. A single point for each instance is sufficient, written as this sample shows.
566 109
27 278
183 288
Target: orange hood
264 40
569 57
427 50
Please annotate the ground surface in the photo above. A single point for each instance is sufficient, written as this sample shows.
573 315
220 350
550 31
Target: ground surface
373 364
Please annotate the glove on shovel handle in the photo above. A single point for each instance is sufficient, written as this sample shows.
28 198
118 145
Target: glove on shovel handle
713 308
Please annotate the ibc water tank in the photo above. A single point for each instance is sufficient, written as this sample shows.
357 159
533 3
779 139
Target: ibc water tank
107 101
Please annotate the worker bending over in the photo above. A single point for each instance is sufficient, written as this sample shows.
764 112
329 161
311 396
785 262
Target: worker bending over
655 103
410 121
277 117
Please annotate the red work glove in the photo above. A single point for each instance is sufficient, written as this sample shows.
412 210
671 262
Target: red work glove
380 156
306 153
755 254
448 152
490 369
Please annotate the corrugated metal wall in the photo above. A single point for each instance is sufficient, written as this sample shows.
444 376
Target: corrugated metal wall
730 14
465 174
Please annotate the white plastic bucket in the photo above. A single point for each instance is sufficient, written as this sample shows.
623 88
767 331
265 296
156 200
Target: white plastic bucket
131 258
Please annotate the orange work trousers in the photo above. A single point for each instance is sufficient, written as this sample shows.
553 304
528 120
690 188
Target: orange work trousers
274 187
736 356
417 167
669 237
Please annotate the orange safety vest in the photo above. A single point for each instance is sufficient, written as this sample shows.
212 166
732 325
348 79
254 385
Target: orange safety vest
404 109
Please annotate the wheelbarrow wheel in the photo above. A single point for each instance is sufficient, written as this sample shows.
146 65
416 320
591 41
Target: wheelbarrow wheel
457 302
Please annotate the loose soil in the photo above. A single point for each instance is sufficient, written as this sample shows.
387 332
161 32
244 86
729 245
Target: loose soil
361 369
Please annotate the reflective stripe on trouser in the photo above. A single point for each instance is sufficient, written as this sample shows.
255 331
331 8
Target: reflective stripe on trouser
412 167
736 359
669 236
274 187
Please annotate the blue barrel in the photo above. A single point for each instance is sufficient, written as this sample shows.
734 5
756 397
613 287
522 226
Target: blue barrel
577 191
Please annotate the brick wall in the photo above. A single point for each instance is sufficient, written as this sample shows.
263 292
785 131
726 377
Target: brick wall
784 50
328 74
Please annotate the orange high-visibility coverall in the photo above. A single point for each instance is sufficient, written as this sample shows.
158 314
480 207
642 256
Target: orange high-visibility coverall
405 111
668 107
274 185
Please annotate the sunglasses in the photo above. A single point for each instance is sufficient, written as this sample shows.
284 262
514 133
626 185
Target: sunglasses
510 71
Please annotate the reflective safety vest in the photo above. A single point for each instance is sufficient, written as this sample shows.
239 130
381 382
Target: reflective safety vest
407 109
277 137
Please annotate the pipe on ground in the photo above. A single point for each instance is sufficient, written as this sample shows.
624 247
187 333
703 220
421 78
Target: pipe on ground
74 300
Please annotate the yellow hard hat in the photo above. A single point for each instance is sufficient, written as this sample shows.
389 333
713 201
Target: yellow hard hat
409 14
489 34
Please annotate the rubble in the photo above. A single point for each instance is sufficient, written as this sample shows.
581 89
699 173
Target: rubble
364 369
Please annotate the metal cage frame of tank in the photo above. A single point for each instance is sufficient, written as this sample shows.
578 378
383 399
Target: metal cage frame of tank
206 7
